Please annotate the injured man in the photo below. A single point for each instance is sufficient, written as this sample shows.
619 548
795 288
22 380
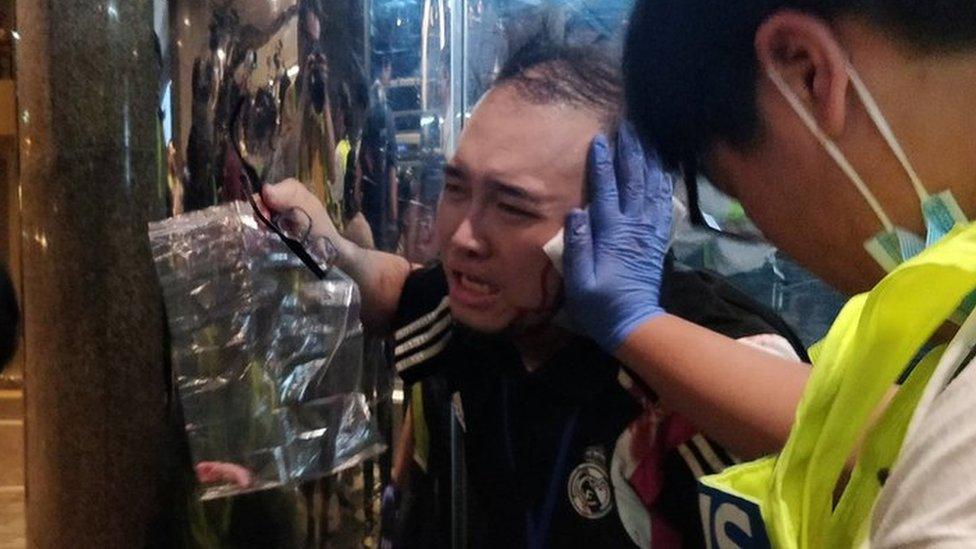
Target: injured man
556 443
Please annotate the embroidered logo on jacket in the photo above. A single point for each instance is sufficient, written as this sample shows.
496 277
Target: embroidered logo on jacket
589 486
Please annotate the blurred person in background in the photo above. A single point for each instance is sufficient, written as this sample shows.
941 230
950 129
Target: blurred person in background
377 163
9 318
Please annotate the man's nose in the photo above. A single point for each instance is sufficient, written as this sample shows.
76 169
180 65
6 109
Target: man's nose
469 238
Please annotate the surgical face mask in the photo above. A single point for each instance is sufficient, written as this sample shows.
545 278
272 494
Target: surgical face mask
893 245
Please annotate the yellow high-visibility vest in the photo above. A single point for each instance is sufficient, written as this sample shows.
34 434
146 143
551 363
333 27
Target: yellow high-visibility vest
789 500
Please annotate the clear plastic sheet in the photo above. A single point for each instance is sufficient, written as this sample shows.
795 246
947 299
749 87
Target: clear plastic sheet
267 358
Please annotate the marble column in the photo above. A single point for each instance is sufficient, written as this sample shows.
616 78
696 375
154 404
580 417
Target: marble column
97 454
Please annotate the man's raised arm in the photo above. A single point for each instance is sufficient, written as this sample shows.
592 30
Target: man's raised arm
380 275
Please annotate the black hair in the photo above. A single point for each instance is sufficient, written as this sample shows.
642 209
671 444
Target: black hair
547 72
691 70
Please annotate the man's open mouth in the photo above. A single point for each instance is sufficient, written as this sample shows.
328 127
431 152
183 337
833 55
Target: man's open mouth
475 284
472 291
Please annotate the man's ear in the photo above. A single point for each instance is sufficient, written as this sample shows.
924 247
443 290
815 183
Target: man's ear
802 48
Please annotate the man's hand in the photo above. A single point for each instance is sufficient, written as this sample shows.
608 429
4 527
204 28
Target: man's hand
380 276
291 195
213 472
614 259
742 397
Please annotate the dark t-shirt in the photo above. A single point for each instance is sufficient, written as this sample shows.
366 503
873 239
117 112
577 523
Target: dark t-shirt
575 454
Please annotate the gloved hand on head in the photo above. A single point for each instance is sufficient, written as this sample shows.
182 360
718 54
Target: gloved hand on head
615 251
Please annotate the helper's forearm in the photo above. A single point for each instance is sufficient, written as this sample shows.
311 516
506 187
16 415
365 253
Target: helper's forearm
380 277
741 397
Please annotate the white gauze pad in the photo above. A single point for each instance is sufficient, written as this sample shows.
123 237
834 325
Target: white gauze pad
555 247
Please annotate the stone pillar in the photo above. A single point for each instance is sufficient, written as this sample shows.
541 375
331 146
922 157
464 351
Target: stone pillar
94 341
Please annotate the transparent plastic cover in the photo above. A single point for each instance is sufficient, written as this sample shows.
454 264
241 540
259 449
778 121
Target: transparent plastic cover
267 358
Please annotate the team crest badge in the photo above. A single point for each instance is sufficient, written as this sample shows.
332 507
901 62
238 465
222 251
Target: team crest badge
589 486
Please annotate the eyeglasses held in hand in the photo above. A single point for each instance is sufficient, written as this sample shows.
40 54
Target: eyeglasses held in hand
293 227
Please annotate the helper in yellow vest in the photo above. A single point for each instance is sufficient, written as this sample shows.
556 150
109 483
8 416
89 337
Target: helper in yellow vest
847 130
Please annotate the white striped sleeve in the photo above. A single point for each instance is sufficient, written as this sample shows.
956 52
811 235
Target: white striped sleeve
422 339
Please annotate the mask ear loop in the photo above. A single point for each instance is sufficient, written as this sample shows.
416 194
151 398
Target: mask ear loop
881 123
828 144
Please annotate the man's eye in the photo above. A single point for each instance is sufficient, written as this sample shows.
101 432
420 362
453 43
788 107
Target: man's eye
516 211
453 188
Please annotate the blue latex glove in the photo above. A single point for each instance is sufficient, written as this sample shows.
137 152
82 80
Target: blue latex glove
614 259
389 517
